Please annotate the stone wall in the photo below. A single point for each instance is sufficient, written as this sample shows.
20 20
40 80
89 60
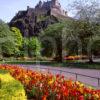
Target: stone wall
54 7
56 12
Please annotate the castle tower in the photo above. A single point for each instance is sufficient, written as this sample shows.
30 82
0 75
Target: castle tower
40 3
55 3
52 6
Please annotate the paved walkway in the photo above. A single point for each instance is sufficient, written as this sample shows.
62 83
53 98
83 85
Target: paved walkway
88 72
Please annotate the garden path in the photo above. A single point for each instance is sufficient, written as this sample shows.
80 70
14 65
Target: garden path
55 70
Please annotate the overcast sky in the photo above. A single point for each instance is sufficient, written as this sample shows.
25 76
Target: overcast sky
8 8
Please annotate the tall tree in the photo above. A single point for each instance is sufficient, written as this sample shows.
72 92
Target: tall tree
87 11
7 41
18 36
54 35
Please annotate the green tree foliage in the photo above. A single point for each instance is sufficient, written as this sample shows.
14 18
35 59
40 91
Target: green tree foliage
86 27
83 33
54 35
96 48
7 41
47 48
31 47
18 36
8 48
34 46
17 40
4 30
24 49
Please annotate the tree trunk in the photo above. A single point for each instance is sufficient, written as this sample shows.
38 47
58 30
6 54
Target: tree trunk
90 58
59 52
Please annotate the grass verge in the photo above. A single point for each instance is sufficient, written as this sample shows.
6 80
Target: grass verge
70 64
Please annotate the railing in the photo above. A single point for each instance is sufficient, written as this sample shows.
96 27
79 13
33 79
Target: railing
76 74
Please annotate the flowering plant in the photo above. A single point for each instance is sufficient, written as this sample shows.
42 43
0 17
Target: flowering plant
45 86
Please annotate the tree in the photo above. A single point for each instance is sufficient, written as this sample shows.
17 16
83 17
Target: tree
47 48
87 23
17 39
34 47
24 50
54 35
96 47
18 36
7 41
8 48
31 47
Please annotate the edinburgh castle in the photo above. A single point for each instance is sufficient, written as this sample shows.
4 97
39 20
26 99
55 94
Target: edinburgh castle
52 7
32 20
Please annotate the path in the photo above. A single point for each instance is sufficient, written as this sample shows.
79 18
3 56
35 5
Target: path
84 79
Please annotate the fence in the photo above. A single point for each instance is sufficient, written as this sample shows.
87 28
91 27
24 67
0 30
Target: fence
75 74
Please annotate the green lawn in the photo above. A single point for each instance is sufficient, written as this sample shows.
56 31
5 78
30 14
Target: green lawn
70 64
10 89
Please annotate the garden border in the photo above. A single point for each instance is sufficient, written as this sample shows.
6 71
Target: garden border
76 75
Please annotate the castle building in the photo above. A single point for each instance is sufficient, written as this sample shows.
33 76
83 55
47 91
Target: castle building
32 20
52 7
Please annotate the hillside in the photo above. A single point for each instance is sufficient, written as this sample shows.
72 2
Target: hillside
31 25
33 20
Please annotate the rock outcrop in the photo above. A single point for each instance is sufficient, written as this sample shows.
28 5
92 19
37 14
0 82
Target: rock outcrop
33 20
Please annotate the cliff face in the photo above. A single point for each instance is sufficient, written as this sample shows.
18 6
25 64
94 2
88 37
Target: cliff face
33 20
30 23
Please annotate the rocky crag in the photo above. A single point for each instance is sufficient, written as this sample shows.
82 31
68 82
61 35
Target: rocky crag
33 20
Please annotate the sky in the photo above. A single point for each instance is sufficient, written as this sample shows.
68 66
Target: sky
8 8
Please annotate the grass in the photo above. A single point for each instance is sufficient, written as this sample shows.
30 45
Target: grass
84 65
10 89
70 64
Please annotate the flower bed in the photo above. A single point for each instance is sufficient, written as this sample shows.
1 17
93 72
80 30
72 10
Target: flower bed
77 57
10 89
45 86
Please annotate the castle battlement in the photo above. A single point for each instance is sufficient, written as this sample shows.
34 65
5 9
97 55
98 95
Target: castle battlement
32 20
53 6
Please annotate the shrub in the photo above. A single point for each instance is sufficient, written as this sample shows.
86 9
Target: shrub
34 46
31 47
10 89
7 40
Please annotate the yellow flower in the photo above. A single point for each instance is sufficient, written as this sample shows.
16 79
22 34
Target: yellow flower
78 83
96 96
51 82
90 87
81 85
81 90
